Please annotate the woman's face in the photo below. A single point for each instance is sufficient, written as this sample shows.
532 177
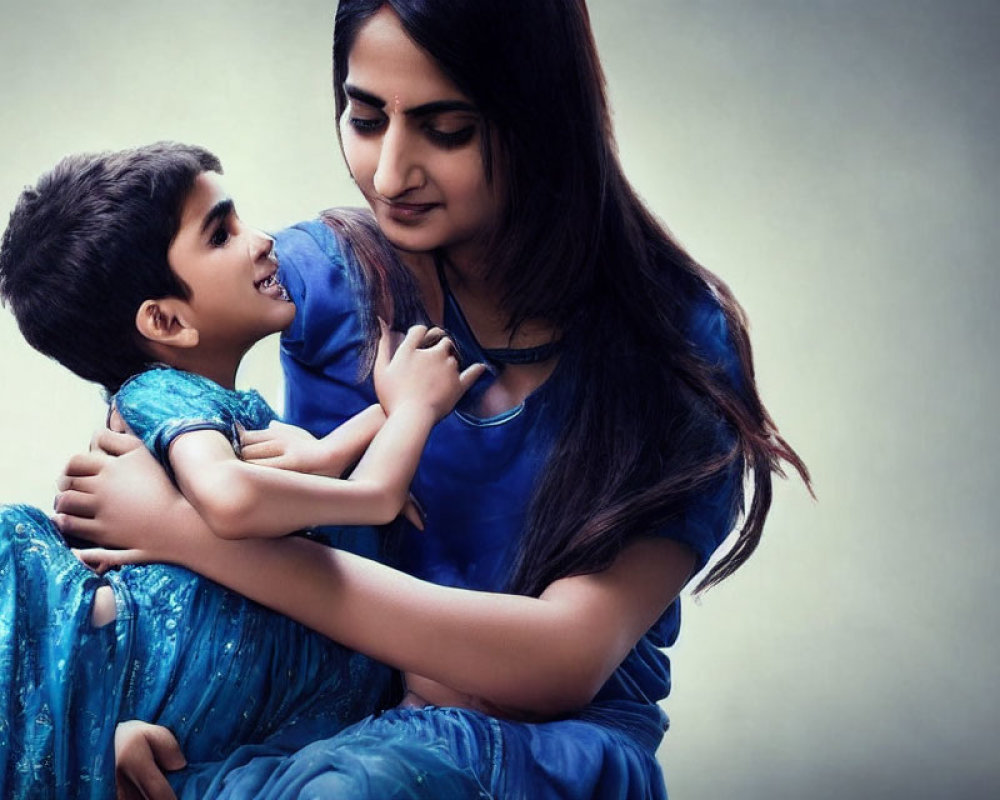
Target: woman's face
412 142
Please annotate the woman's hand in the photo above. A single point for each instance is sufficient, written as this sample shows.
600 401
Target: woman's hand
423 371
117 495
142 753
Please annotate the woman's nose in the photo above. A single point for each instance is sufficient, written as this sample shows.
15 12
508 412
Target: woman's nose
398 170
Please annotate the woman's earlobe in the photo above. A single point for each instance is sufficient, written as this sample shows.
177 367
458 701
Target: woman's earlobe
160 323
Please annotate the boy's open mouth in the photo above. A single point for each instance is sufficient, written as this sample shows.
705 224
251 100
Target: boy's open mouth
272 287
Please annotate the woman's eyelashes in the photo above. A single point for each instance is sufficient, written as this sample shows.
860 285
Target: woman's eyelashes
449 139
438 133
367 124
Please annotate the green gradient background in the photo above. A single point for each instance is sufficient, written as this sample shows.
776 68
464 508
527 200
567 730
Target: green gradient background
836 162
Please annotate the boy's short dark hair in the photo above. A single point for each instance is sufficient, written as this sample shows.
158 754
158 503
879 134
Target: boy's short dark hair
88 244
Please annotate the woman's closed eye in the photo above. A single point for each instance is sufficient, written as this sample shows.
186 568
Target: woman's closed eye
450 138
367 124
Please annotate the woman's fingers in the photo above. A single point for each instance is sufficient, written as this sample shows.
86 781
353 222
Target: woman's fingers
76 503
101 559
76 527
83 465
84 484
113 443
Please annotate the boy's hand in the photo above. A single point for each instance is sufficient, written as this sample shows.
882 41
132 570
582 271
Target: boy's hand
422 372
286 447
142 752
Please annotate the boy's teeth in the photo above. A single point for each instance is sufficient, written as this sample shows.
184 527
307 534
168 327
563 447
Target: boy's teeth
271 281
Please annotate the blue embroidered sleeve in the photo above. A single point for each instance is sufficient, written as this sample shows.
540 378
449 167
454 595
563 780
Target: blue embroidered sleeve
160 404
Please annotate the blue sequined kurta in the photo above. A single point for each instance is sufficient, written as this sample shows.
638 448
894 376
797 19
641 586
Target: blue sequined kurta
214 667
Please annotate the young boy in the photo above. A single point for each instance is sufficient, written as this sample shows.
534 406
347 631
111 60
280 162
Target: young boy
133 270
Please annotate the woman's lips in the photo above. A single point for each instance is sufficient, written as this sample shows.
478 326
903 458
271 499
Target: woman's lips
408 212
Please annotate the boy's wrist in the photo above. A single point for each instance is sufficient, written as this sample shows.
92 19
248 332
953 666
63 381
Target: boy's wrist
414 411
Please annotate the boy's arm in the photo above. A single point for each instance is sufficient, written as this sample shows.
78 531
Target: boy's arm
239 499
288 447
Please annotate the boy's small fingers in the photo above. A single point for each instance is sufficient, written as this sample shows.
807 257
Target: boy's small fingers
150 782
413 512
165 748
446 344
470 375
252 437
384 352
414 337
433 336
256 452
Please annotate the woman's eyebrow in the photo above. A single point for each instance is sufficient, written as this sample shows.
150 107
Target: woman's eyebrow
363 97
440 107
435 107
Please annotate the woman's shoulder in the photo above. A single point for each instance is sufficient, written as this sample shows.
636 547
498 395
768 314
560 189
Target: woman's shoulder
311 248
328 244
708 331
317 266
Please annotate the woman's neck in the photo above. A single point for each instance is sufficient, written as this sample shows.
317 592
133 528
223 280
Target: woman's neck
480 299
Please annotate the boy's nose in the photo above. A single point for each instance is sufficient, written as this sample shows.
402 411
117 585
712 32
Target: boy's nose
262 246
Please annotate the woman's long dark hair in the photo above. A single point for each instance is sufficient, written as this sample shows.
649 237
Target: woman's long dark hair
578 249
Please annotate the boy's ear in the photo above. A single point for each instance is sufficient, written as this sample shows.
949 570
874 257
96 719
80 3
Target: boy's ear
165 322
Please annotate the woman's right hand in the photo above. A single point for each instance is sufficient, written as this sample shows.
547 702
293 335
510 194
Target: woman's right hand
143 752
116 495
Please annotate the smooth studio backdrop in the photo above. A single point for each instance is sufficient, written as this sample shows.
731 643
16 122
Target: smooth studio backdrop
836 162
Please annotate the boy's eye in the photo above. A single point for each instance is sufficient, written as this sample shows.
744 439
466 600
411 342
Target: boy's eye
219 236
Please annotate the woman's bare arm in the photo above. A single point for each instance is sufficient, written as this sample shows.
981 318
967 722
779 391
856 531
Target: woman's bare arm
535 656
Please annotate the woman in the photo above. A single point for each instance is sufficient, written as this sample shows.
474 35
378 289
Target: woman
570 499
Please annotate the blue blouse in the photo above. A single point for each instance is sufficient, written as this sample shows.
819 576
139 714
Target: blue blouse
476 476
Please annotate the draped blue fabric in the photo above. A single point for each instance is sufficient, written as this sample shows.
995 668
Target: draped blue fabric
217 669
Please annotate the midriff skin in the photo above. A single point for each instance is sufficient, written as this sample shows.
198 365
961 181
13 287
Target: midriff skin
421 691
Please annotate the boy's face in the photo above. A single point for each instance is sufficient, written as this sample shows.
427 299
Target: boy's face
230 271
